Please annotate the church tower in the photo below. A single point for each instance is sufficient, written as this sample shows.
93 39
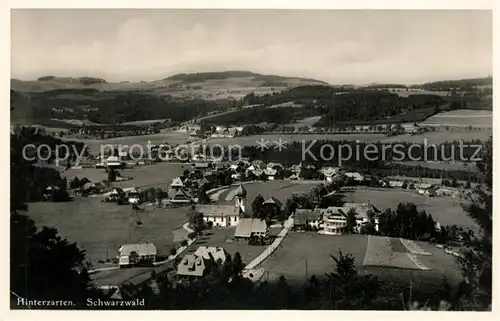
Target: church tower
241 198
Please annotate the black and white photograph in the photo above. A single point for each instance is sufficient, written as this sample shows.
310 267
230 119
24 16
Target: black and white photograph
250 159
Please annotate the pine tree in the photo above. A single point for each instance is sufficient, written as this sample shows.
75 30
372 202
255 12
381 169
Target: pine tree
476 253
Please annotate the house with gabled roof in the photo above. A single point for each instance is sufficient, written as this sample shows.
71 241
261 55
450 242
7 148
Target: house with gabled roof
131 254
358 177
192 266
179 196
215 253
249 227
225 215
330 172
272 202
303 217
177 183
270 173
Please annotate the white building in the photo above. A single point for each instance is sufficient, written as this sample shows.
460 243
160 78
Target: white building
225 215
131 254
355 175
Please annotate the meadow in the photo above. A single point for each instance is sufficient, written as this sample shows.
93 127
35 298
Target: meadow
166 136
462 117
446 210
101 228
154 175
304 254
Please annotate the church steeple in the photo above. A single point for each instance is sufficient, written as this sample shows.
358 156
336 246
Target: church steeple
241 197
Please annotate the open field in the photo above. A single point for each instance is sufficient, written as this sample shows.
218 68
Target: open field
309 121
144 122
438 137
157 175
384 251
304 254
252 140
443 166
167 136
279 189
101 228
462 117
445 210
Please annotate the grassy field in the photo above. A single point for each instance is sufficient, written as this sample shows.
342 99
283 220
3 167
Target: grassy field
101 228
279 189
443 166
445 210
252 140
302 255
167 136
441 136
305 254
462 117
157 175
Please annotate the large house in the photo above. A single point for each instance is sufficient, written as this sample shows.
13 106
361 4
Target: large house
334 220
131 254
307 217
363 212
448 191
225 215
179 196
249 227
177 183
217 254
355 176
197 265
330 172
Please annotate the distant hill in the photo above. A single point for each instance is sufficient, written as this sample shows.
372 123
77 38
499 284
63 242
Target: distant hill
463 84
227 80
204 76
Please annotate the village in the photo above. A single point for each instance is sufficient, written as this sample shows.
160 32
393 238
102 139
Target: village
217 206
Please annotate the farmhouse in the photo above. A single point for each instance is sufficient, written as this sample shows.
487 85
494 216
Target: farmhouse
276 166
201 165
363 212
426 189
192 266
270 173
272 204
132 194
131 254
354 175
115 194
330 172
249 227
307 217
113 162
179 196
447 191
216 254
177 183
396 184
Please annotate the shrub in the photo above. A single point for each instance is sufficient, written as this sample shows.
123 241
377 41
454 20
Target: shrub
192 235
184 243
173 251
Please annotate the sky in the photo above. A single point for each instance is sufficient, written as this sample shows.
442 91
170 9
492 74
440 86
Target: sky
340 47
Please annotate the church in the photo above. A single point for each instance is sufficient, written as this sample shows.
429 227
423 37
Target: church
225 215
